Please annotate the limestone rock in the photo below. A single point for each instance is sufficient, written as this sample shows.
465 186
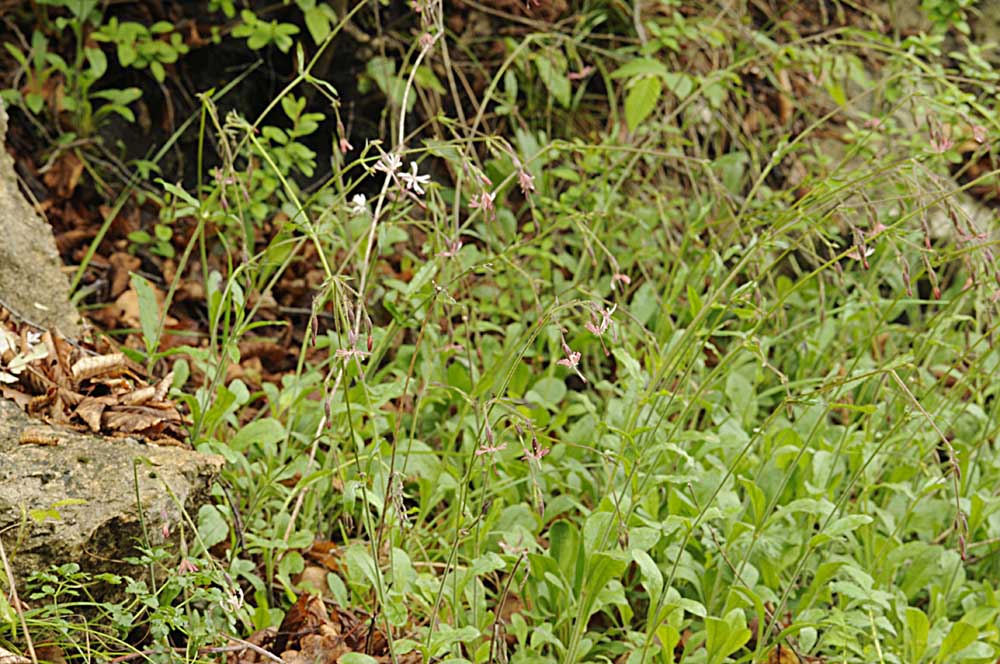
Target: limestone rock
31 281
90 483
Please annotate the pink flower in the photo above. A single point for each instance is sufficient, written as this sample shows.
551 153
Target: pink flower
484 200
941 144
452 249
572 360
536 452
345 145
491 449
618 276
979 134
579 75
186 566
599 327
526 180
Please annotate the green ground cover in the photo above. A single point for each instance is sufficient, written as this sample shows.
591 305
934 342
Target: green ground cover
651 333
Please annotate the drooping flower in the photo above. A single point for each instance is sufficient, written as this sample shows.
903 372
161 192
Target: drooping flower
618 276
572 360
484 200
526 180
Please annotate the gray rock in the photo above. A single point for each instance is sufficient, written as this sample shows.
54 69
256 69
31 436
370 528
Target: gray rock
31 281
67 497
90 482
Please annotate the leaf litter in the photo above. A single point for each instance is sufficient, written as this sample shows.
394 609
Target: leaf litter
88 385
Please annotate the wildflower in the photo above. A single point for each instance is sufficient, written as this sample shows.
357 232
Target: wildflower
234 599
186 566
349 353
412 181
618 276
979 134
491 449
537 451
855 253
572 360
345 145
484 200
582 74
598 328
941 144
599 323
526 180
872 123
452 249
359 205
389 164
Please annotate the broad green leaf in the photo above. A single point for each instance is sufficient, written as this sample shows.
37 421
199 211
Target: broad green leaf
724 636
641 100
212 526
266 431
640 67
962 634
317 23
555 80
841 526
652 578
917 628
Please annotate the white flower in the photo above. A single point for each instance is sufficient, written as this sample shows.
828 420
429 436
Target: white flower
359 205
413 181
389 163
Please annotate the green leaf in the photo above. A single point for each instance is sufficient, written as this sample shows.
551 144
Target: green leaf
917 627
640 67
641 100
317 23
212 526
555 81
678 83
652 578
266 431
841 526
725 636
357 658
962 634
550 390
149 312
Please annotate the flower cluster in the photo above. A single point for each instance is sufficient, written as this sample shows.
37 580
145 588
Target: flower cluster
392 165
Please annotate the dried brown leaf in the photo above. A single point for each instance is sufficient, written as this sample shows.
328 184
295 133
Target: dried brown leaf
7 657
137 419
91 409
99 365
64 174
140 396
